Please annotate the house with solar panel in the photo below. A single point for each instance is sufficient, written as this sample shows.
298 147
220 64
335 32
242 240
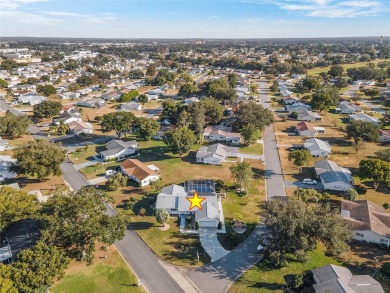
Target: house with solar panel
173 198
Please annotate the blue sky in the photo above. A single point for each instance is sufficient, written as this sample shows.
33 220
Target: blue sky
194 18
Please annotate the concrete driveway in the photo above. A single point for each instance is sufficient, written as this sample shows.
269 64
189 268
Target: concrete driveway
298 184
208 239
248 156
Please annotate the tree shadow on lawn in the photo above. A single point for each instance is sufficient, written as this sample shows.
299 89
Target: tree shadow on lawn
307 172
268 286
337 141
140 226
190 158
257 173
154 154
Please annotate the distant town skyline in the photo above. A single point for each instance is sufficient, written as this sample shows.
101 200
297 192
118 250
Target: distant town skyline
194 18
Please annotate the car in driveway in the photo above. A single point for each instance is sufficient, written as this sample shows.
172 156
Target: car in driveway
260 248
309 181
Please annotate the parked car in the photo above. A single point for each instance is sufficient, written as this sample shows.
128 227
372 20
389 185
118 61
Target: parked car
309 181
110 172
260 248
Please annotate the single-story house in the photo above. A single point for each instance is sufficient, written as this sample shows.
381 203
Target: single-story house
91 103
297 107
118 149
336 279
31 99
3 144
305 129
289 100
111 96
384 136
152 97
364 117
215 154
173 199
69 95
345 107
139 172
79 127
130 106
368 221
68 117
317 147
332 176
220 133
364 82
307 115
191 101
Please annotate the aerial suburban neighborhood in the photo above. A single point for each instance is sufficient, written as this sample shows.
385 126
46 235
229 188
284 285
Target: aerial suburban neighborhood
194 165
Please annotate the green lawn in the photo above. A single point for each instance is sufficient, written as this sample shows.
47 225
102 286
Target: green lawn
106 275
318 70
98 169
255 149
85 154
263 278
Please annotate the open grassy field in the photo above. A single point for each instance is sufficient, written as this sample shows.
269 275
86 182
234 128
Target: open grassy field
110 274
318 70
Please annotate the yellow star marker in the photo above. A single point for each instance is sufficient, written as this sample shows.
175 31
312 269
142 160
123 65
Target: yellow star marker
195 201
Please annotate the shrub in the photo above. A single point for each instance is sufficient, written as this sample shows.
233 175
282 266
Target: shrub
293 115
361 189
197 225
386 206
385 269
128 205
219 225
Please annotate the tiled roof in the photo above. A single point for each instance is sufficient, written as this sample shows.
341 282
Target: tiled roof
137 169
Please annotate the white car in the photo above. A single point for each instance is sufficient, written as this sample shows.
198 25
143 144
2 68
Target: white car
260 248
309 181
110 172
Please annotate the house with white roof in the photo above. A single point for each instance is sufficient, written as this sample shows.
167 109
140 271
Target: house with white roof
130 106
79 127
345 107
317 147
297 107
31 99
173 199
219 133
332 176
215 154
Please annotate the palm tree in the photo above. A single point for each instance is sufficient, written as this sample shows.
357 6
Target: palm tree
62 128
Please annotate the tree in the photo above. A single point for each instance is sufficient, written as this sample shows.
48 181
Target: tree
143 99
351 194
321 101
62 128
9 64
341 83
274 87
376 170
12 126
47 109
297 227
3 84
300 158
385 120
151 70
120 122
15 205
336 71
131 95
184 119
383 155
47 90
85 212
220 89
249 134
6 284
188 90
136 74
213 110
40 158
253 114
147 127
310 195
116 181
36 268
241 173
232 79
365 131
170 111
373 92
162 216
308 84
198 119
180 140
358 144
86 80
45 78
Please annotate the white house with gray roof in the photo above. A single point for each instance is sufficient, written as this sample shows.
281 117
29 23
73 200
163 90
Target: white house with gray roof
332 176
364 117
173 198
118 149
336 279
215 154
317 147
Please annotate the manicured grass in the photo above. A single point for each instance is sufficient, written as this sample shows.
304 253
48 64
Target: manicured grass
264 278
98 169
255 149
109 274
85 154
318 70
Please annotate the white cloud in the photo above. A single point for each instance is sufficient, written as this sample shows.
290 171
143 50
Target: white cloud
29 18
329 8
13 4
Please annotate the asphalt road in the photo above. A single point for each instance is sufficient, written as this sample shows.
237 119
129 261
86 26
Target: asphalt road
273 169
154 112
137 254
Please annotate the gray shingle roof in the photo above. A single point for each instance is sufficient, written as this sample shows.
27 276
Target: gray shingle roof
329 171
